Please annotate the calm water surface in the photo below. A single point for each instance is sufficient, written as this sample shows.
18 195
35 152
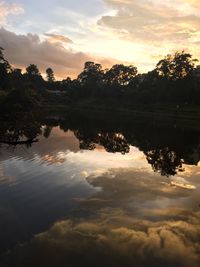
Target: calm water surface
98 199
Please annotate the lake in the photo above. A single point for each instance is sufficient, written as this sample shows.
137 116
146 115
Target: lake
90 193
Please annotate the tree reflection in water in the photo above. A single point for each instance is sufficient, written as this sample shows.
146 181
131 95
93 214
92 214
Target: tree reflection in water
166 151
136 219
22 129
164 161
166 156
112 142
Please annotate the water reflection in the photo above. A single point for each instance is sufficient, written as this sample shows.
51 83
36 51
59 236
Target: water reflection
166 149
137 219
89 194
20 131
164 161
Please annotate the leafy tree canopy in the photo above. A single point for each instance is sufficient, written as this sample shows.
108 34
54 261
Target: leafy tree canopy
176 66
120 74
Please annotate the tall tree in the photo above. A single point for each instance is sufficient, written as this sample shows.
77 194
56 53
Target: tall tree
91 75
5 68
50 75
34 77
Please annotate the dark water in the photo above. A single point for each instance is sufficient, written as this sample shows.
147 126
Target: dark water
92 194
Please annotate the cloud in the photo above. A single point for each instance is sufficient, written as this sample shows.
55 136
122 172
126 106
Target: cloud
22 50
53 38
108 231
9 9
140 31
160 25
193 3
104 242
120 187
151 22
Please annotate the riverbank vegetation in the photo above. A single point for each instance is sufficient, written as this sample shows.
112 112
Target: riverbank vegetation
174 84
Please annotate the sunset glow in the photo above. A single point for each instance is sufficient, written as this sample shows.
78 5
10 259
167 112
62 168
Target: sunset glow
65 34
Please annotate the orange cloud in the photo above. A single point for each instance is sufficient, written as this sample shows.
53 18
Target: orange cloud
21 50
163 26
115 233
151 22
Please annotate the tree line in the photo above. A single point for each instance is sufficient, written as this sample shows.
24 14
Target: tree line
175 79
165 154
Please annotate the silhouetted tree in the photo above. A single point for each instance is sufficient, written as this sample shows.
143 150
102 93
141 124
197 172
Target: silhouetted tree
164 161
67 84
34 78
17 72
175 80
67 81
5 68
120 75
91 75
32 70
112 142
16 79
50 75
23 130
177 66
47 131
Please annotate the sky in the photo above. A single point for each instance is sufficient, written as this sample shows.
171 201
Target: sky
63 34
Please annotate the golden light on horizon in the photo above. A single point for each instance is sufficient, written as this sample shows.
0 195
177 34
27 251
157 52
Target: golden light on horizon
108 32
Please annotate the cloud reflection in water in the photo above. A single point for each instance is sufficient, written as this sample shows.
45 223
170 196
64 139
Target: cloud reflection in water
137 219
